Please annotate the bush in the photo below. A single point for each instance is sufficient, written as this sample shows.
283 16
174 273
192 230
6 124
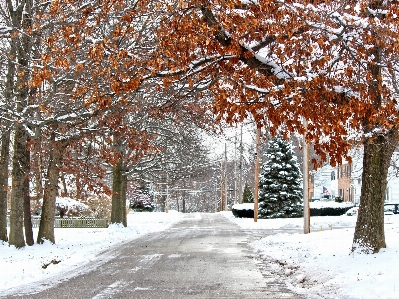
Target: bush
329 211
339 199
142 205
243 210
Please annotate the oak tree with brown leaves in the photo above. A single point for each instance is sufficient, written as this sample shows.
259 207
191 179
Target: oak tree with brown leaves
331 63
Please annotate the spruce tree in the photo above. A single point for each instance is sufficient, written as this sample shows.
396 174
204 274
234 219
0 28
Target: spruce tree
247 196
280 182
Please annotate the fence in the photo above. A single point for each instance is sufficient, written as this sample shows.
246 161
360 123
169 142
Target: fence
82 222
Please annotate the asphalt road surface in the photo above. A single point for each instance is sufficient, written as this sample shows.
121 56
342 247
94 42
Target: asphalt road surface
202 256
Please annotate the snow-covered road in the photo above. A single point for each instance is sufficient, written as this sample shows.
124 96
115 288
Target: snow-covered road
201 256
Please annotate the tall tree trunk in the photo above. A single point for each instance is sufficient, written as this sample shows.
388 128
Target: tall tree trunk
369 234
123 199
27 213
79 187
18 188
64 192
21 20
46 229
37 167
4 160
117 185
5 143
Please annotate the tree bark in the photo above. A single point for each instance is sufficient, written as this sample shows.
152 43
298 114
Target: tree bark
27 213
21 20
5 144
46 229
4 160
123 199
37 167
64 186
117 185
18 188
369 234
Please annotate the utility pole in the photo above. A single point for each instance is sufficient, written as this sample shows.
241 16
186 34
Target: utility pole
306 208
240 171
221 187
235 168
256 187
225 177
167 199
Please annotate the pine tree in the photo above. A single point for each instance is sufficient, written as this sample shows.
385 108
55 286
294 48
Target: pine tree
280 190
247 196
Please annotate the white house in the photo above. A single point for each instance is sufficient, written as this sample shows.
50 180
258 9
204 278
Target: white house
345 180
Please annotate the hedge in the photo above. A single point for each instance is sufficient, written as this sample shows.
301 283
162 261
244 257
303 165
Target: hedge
325 211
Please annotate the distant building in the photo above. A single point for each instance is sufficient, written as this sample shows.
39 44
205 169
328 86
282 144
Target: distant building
345 180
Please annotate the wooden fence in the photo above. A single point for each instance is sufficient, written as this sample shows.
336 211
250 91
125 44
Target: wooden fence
82 222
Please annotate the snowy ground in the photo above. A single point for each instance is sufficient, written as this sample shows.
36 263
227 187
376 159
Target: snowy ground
317 265
75 247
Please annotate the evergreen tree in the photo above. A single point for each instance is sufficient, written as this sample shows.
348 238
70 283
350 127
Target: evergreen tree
247 196
141 199
280 182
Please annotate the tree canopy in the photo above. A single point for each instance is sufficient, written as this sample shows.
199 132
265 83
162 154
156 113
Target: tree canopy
324 69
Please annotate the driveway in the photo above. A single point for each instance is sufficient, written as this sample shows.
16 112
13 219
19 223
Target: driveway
202 256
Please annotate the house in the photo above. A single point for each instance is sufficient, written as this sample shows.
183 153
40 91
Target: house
345 180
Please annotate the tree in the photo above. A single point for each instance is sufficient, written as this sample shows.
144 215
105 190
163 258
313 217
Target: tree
247 196
5 147
20 19
4 161
280 183
331 64
140 198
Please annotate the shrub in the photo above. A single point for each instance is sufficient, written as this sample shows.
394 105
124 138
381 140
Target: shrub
329 211
243 210
339 199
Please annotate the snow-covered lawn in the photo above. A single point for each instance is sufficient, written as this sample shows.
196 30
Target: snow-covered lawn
317 265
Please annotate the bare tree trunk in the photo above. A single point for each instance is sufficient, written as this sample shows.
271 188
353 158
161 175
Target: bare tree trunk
21 20
37 168
18 188
79 188
4 160
46 229
117 183
5 144
27 213
64 186
369 234
123 199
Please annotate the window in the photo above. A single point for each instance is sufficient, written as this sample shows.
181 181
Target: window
348 170
332 175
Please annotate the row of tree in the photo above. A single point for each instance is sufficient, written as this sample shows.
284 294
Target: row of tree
100 72
324 69
79 103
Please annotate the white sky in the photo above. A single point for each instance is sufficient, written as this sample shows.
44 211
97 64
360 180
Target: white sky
316 265
231 138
